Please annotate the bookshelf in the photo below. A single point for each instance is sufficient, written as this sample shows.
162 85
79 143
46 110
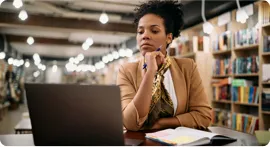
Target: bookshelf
226 52
221 76
265 83
246 75
246 104
247 48
246 52
266 54
266 112
222 101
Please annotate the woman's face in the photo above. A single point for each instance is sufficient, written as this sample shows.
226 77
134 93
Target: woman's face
151 34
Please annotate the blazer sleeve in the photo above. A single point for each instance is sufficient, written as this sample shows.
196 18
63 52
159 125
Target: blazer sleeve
199 110
131 118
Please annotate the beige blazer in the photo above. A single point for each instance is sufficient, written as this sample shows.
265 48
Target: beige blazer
193 109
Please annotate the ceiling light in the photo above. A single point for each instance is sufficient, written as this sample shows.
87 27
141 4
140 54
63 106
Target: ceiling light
80 57
2 55
105 59
10 61
241 15
122 52
27 64
23 15
129 52
16 62
17 3
1 1
21 62
54 68
207 27
30 40
89 41
268 1
110 57
43 68
85 46
103 18
115 55
36 74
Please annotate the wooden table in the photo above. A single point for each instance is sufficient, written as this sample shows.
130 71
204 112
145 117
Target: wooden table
242 138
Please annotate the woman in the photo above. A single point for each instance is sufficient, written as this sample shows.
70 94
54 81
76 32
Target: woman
159 91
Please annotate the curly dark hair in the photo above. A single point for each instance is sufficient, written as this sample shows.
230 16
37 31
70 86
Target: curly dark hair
169 10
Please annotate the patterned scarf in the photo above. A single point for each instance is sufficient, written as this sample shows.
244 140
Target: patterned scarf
161 104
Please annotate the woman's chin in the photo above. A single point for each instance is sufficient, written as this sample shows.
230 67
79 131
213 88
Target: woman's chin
145 50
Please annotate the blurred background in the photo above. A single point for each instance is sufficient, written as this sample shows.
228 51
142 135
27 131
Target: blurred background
85 42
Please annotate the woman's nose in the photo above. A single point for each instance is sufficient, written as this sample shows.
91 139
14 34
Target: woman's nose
146 36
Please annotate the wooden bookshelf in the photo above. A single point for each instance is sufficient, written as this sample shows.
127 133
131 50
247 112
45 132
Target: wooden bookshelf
246 48
220 76
246 75
266 54
266 112
266 25
226 52
222 101
265 83
246 104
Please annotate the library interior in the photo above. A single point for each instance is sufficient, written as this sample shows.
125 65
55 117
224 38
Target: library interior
68 75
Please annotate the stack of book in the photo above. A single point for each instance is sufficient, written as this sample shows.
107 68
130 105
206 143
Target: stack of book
246 65
221 118
222 42
222 66
266 43
221 89
246 37
243 91
245 123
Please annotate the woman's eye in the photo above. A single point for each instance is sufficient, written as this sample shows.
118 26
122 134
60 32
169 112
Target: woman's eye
140 32
155 31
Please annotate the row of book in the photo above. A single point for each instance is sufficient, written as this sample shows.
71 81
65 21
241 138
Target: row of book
222 66
245 123
221 117
246 65
246 37
222 42
266 72
265 13
266 43
266 99
243 91
221 89
245 94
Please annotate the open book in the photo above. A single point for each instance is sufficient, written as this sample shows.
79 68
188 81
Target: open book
187 136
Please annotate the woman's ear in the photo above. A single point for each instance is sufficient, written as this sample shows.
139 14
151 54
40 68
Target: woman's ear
169 38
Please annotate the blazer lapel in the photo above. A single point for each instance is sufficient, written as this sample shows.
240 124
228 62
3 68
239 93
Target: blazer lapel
179 83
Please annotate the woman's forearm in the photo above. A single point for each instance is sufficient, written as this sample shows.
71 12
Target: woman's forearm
142 99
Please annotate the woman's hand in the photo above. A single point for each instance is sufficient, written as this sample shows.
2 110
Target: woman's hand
153 60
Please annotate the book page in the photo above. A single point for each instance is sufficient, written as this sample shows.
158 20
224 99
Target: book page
199 133
176 137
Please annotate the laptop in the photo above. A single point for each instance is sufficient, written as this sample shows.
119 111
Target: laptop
75 115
